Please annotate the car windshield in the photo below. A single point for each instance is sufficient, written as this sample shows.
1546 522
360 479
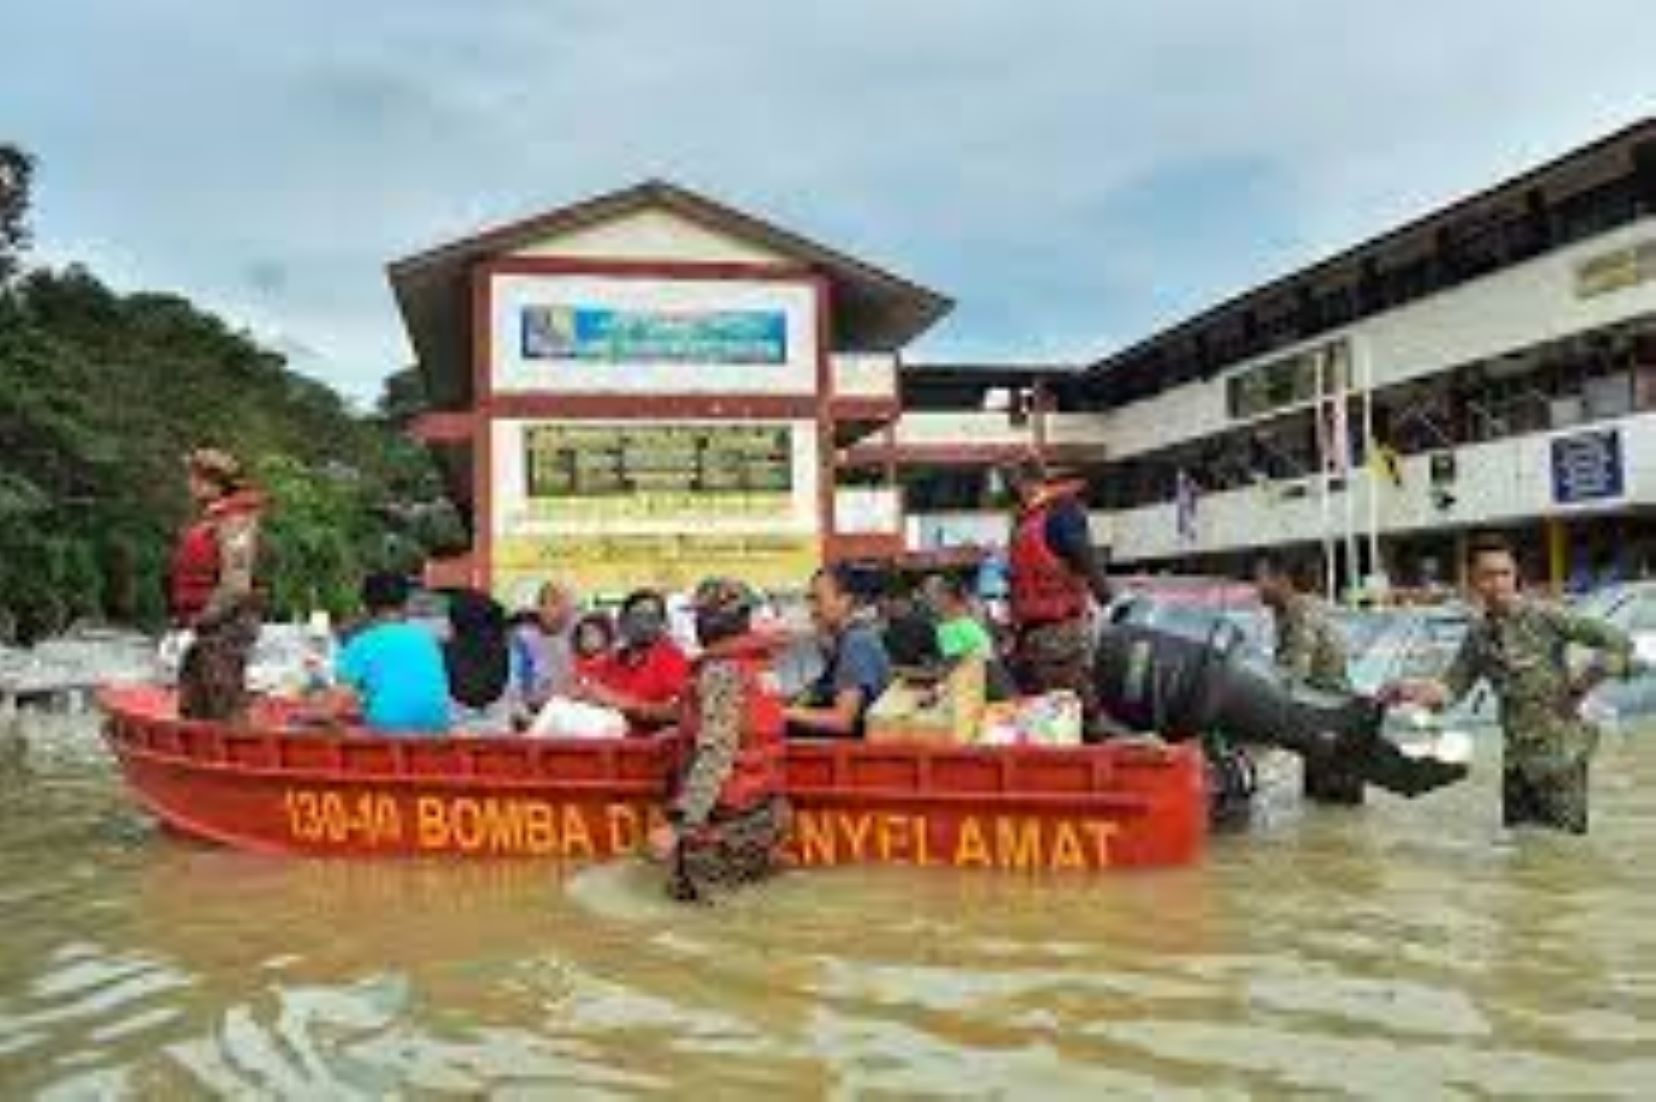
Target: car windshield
1387 645
1603 604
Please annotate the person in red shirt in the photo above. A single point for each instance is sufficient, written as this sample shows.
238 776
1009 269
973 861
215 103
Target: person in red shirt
592 643
646 675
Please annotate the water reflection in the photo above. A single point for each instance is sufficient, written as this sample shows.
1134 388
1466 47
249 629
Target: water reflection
1399 950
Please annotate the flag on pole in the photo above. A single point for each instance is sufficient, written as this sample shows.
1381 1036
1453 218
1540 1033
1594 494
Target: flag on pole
1387 464
1336 437
1186 493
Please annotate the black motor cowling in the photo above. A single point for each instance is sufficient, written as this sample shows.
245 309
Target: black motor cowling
1183 673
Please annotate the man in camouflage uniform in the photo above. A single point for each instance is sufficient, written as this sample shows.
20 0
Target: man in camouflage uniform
1520 646
214 590
1310 652
728 820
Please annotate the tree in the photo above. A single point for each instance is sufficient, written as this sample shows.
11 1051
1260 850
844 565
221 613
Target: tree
100 396
16 175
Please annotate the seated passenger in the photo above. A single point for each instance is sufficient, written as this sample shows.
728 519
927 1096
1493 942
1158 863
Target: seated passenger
910 634
856 668
645 676
960 634
542 646
393 667
592 642
477 659
729 818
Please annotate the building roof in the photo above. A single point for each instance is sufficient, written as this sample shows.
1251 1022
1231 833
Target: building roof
987 374
873 310
1569 174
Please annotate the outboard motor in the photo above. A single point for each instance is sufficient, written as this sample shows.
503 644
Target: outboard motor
1183 673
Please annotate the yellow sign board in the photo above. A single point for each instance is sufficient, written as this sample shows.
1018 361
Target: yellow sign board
618 505
673 562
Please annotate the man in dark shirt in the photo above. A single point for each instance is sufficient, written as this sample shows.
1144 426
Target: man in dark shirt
1056 576
910 634
858 668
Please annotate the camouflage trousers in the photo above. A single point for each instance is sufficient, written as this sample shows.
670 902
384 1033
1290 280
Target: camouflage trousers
735 851
1058 656
1556 799
212 681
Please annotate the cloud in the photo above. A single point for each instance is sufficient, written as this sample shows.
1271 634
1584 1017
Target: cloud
1074 173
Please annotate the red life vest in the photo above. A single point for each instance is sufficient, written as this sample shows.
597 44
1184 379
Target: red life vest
1045 588
756 773
195 561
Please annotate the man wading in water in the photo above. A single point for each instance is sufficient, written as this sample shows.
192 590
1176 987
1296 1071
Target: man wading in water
1309 651
1520 646
729 819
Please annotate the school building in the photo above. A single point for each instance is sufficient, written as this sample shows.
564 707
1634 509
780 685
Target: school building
650 386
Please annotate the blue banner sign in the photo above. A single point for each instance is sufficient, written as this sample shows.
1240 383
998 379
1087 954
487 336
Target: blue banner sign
601 334
1587 467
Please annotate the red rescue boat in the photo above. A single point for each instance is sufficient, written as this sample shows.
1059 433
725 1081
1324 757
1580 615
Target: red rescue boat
272 788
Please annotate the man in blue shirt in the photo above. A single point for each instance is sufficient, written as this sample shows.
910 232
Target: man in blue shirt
395 668
858 668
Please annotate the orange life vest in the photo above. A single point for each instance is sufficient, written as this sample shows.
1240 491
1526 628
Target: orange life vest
195 562
1045 589
756 773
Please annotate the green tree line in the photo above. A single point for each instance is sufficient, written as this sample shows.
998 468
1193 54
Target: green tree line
102 393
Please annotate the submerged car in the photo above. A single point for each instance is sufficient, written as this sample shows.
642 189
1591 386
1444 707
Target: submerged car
1631 607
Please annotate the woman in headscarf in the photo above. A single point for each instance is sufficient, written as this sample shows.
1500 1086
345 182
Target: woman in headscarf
478 659
213 591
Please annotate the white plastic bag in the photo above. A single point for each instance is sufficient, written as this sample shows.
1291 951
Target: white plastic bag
562 717
170 653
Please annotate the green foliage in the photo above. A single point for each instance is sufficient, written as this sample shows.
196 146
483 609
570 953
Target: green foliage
16 172
100 397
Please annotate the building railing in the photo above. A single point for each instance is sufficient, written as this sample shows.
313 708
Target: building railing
1491 482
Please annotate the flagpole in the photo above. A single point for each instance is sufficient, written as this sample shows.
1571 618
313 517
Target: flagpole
1319 420
1365 365
1340 363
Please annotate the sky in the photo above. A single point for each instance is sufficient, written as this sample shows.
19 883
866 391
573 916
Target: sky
1074 173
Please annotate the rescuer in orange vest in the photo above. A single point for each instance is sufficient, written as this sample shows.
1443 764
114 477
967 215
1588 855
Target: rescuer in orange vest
729 819
1056 576
213 591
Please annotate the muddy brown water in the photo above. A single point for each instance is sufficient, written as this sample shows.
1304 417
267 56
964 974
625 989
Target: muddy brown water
1402 951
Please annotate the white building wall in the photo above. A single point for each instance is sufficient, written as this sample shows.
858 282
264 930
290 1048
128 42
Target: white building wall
653 234
864 374
1520 306
992 428
867 510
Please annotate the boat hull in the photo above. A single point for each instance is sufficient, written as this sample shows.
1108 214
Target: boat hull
270 789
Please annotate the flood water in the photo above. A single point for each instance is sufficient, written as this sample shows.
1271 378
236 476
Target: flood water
1402 951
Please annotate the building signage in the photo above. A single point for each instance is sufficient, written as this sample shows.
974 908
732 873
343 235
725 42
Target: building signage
683 462
1587 468
613 506
612 335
